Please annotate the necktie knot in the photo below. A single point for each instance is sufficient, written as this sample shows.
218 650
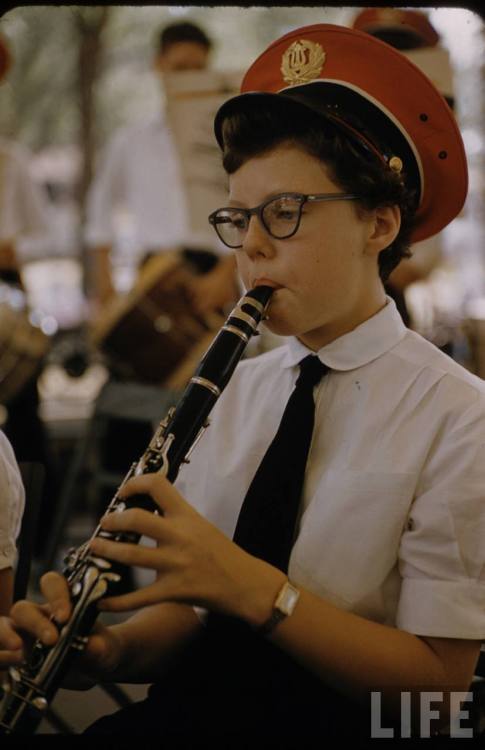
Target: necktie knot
312 371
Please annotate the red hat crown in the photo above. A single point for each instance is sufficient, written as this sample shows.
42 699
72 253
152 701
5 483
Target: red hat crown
336 69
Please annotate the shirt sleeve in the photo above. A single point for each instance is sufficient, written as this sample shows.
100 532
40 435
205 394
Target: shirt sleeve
12 501
106 192
442 551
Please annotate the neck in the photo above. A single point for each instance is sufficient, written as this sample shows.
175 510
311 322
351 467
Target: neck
323 336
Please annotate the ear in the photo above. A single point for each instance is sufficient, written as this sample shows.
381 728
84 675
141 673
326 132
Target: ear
384 228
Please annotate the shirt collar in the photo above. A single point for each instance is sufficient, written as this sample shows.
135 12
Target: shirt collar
365 343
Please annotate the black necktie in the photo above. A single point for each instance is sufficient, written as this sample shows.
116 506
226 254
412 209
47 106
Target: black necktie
266 524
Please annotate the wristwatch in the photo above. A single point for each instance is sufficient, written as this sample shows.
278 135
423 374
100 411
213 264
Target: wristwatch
284 606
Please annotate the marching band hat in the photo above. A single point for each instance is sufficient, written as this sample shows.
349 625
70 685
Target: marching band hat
5 59
412 33
403 29
337 72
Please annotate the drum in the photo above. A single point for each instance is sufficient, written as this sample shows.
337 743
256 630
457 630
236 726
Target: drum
153 334
23 342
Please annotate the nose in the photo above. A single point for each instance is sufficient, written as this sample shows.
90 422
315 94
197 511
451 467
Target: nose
257 241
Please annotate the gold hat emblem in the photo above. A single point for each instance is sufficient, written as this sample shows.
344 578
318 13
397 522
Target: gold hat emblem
302 62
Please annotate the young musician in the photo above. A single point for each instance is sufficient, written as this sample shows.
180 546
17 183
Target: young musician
370 576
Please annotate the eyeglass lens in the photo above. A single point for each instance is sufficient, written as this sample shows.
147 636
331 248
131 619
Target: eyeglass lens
280 218
231 225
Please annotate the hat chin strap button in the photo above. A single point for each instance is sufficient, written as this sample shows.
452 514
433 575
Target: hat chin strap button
395 163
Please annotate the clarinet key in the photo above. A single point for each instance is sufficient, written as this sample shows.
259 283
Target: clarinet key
40 704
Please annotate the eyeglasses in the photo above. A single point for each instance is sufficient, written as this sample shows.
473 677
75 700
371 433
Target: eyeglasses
280 216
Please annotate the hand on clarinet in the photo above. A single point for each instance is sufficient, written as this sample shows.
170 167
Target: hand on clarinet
195 563
29 621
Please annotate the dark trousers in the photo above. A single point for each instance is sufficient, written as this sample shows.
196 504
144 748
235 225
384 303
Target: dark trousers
232 688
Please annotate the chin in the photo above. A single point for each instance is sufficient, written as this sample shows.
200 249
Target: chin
281 327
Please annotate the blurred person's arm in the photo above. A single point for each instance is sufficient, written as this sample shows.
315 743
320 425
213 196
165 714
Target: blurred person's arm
105 194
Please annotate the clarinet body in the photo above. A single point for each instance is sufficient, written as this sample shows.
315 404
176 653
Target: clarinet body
30 688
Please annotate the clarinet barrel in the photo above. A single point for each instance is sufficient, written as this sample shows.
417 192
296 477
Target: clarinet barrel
30 688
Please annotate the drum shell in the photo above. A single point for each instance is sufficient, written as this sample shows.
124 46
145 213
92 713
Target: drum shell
23 346
149 334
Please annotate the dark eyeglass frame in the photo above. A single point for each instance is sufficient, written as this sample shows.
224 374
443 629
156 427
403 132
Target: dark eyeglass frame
302 198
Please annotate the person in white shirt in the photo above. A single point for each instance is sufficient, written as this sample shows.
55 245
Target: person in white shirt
332 173
12 500
24 210
140 174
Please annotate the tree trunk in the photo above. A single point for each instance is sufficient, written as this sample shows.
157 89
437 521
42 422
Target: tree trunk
90 23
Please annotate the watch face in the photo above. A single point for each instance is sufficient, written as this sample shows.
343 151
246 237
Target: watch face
287 599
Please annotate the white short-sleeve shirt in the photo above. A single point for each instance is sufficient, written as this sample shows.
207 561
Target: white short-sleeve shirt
392 522
138 184
12 500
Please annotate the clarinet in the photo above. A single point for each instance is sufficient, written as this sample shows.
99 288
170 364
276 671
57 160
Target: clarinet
30 688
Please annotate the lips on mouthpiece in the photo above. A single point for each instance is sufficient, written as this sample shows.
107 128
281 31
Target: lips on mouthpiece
266 282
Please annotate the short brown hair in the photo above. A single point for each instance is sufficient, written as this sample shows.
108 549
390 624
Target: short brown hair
182 32
260 129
